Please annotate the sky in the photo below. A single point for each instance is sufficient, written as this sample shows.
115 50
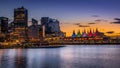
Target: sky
72 14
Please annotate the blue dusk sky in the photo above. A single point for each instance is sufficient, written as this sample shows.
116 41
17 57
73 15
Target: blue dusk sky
68 11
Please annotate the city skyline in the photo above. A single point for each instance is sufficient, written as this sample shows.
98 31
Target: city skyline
78 14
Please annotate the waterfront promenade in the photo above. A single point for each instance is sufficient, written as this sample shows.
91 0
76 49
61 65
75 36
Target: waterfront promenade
50 45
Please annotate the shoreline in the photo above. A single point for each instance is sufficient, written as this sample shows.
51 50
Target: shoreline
52 45
84 44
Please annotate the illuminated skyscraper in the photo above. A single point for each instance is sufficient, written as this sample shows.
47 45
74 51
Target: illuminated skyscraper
54 25
4 25
20 23
20 17
44 20
33 31
51 26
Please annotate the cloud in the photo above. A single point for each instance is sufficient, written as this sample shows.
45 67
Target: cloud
110 32
84 26
95 16
77 24
65 23
91 23
104 20
117 21
98 20
101 20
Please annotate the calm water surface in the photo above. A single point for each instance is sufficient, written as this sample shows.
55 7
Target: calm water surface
66 57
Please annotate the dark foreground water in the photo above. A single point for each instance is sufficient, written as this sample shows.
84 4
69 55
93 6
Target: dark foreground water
65 57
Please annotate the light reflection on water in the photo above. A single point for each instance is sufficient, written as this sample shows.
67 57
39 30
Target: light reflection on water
66 57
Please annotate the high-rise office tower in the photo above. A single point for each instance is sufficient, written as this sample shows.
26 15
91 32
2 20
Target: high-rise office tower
45 23
33 31
44 20
51 25
4 25
20 24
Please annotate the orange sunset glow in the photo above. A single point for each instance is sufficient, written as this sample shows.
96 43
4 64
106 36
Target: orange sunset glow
102 27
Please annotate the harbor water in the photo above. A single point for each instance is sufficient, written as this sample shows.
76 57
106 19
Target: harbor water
70 56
